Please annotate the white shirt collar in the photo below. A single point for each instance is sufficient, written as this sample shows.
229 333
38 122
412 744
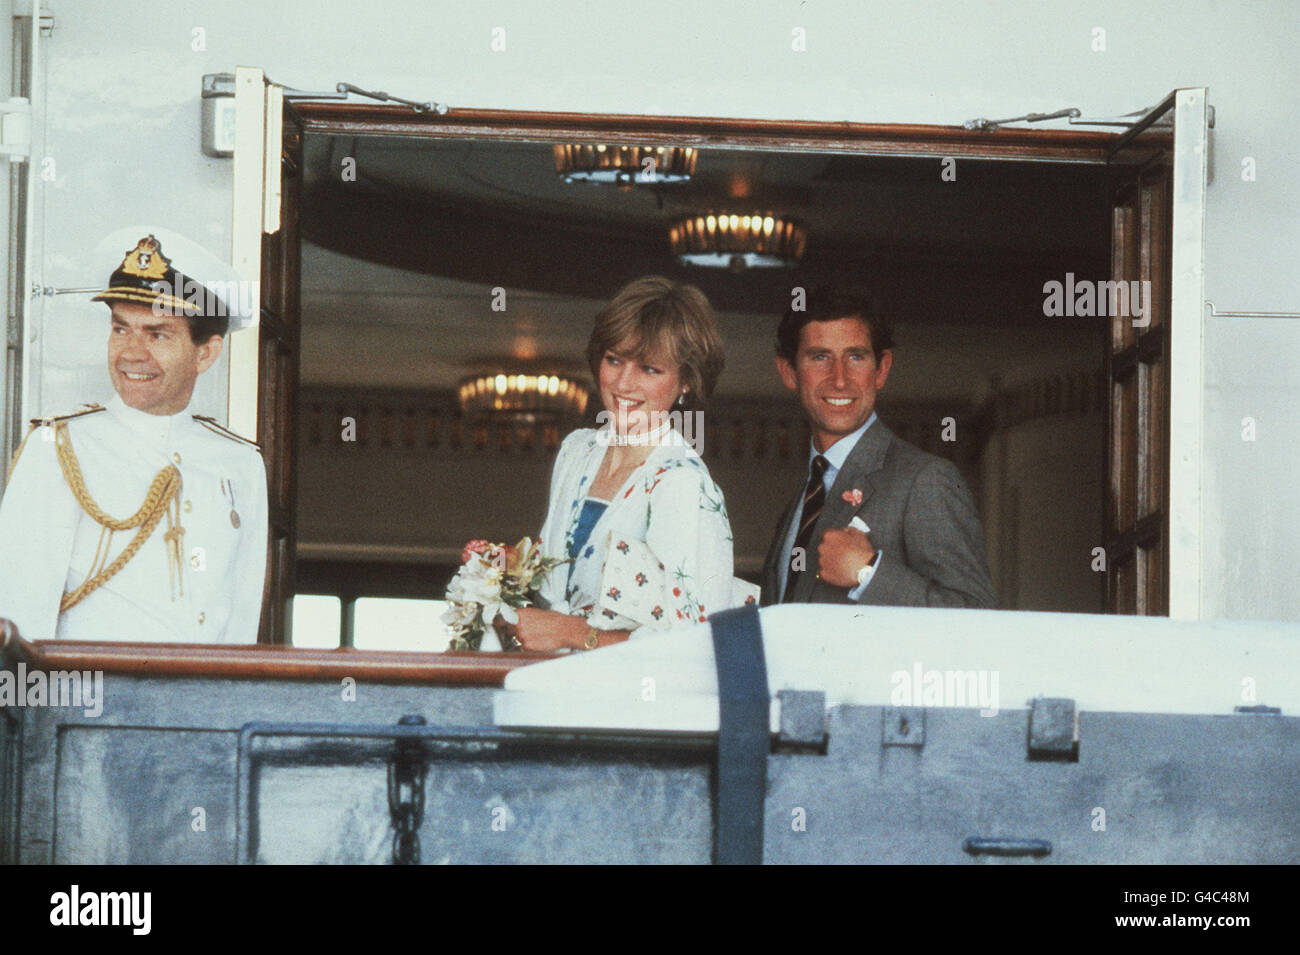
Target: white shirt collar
839 452
156 427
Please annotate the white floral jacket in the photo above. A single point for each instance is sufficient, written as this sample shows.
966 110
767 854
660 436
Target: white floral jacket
670 503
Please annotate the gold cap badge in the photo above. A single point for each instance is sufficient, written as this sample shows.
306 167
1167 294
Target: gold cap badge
146 260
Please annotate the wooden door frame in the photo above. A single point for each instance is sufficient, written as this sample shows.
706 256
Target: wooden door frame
263 371
1035 145
1086 147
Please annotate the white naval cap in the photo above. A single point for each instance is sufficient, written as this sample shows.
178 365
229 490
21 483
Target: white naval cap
160 267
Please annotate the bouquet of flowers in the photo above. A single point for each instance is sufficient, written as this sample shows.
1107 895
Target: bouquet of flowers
493 579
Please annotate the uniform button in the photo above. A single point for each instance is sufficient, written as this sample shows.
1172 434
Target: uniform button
189 506
176 457
202 617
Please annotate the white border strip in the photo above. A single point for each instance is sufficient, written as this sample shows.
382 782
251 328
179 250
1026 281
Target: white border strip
246 243
1187 354
28 393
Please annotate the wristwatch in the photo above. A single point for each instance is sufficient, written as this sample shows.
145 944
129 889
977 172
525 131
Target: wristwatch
592 639
868 569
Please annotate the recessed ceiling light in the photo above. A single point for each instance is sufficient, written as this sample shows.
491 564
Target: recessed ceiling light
737 241
624 165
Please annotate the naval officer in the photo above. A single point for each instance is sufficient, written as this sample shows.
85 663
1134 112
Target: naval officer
140 520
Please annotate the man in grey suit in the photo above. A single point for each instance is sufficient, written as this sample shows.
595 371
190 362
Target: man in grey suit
877 520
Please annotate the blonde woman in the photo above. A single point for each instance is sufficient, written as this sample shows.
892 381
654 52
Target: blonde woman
634 489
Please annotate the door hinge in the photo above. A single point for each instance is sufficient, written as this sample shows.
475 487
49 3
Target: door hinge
16 128
1053 730
903 726
23 21
803 718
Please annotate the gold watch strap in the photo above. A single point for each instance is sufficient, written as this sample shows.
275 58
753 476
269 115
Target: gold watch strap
592 639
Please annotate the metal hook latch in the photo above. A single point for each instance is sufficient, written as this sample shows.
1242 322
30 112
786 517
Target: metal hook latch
426 107
988 125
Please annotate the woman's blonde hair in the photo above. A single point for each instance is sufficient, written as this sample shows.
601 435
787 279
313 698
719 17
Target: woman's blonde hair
657 318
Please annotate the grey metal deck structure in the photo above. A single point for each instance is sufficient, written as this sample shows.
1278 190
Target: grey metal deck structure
256 769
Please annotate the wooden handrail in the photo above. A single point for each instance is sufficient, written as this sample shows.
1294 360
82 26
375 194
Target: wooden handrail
256 661
12 645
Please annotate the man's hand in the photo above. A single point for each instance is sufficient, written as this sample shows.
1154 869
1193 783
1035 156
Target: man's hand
544 629
841 554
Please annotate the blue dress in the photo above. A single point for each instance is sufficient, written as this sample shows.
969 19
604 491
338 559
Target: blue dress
592 508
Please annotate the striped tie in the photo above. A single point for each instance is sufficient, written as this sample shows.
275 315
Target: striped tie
814 496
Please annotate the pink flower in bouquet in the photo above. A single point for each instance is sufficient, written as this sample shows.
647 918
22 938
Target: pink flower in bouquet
854 497
474 547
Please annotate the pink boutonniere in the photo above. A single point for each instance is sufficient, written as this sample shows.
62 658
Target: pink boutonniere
854 497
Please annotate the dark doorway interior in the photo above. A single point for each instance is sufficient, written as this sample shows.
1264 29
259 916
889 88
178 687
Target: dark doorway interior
405 241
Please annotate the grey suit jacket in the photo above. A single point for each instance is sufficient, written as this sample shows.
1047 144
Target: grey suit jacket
922 519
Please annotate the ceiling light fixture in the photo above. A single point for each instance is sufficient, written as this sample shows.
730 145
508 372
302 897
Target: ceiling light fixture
624 165
523 395
737 242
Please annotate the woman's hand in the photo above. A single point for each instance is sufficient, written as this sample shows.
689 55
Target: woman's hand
544 629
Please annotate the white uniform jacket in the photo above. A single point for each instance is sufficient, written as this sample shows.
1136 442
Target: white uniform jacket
48 542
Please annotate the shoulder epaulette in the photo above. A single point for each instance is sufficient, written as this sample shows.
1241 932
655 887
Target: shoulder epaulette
50 419
36 423
211 425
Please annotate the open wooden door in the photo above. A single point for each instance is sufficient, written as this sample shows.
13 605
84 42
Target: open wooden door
264 360
1154 362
